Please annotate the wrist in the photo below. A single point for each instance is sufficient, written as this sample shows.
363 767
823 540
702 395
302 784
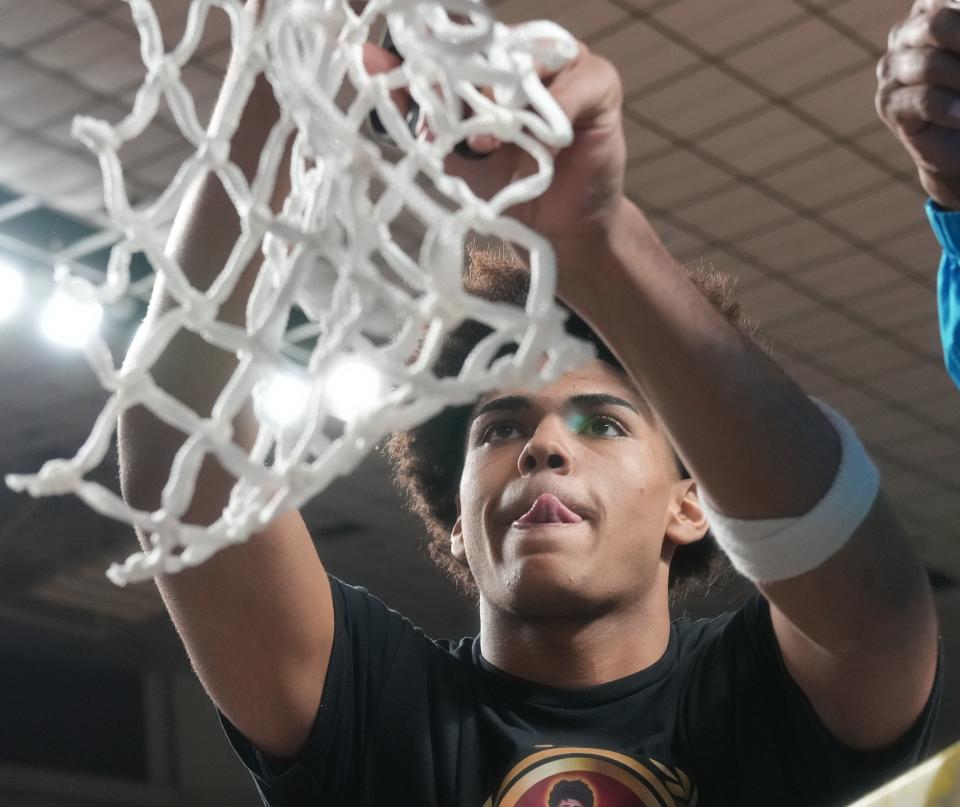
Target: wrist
939 189
602 260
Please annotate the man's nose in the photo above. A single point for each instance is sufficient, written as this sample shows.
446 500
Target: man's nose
547 449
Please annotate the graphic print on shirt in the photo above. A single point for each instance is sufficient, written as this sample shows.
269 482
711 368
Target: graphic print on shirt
592 777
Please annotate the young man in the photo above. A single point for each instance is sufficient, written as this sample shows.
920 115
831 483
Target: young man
918 97
567 515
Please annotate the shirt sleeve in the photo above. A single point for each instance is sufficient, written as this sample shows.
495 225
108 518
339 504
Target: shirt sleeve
368 636
813 761
946 226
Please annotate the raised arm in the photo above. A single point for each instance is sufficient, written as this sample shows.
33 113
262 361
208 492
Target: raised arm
256 619
858 632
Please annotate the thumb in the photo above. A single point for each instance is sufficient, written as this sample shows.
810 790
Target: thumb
588 89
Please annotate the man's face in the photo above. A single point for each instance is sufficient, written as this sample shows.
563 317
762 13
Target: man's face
566 496
570 803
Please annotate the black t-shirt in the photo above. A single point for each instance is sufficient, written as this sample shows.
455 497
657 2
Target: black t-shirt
405 720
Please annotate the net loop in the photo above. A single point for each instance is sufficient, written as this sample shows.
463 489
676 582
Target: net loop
362 261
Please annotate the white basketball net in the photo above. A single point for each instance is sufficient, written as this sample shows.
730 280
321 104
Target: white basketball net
329 251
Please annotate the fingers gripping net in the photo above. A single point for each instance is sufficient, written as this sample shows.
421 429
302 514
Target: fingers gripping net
330 251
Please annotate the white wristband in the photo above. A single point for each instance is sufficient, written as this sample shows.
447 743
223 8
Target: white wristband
778 548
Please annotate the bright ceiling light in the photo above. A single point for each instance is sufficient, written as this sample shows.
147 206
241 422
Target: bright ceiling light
283 399
11 290
353 388
68 322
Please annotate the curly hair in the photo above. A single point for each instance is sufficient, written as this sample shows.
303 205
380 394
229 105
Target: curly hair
572 790
427 461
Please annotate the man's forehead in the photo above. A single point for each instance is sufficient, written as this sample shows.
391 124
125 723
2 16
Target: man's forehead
597 384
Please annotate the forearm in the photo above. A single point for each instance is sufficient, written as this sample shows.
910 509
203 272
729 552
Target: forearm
256 619
754 441
760 449
190 369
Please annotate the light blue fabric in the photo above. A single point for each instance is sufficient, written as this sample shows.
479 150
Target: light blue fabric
946 226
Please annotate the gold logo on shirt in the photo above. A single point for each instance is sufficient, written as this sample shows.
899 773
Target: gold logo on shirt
591 777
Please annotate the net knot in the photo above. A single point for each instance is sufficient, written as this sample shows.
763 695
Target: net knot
214 152
137 233
201 310
56 478
166 73
134 385
97 135
216 432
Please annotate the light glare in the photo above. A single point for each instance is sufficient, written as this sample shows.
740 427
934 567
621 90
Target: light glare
11 290
284 399
352 389
68 322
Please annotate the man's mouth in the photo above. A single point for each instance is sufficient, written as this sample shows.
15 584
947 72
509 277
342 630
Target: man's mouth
547 509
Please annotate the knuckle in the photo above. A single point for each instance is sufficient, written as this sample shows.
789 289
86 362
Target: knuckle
609 71
941 26
884 68
879 104
927 104
894 36
912 67
887 105
924 67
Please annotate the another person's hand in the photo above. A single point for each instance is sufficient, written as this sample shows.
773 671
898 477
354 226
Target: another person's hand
918 94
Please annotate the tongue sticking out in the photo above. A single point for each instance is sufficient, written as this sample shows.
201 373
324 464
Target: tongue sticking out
547 509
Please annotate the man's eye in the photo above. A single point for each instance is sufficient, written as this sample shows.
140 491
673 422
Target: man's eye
600 426
501 430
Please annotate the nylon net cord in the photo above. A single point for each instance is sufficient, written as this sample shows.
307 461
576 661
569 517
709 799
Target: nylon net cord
325 250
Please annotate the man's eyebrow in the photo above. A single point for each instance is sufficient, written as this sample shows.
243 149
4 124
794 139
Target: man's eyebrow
592 400
597 399
506 403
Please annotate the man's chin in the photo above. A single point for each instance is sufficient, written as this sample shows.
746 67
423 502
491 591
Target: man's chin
538 587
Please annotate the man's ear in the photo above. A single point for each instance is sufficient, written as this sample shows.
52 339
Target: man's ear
687 523
456 538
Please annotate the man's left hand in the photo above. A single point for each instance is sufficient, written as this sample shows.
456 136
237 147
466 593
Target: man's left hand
580 205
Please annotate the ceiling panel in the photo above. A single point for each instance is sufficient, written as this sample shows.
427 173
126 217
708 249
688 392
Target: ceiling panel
18 78
826 176
676 178
72 51
44 100
851 276
815 332
726 214
692 102
642 54
781 63
770 299
791 245
898 305
918 248
751 145
723 26
864 358
27 24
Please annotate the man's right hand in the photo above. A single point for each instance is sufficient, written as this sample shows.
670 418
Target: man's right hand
918 94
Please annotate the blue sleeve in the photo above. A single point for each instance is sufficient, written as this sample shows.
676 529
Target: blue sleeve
946 226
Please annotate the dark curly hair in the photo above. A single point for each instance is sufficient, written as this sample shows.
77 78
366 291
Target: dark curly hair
573 789
427 461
